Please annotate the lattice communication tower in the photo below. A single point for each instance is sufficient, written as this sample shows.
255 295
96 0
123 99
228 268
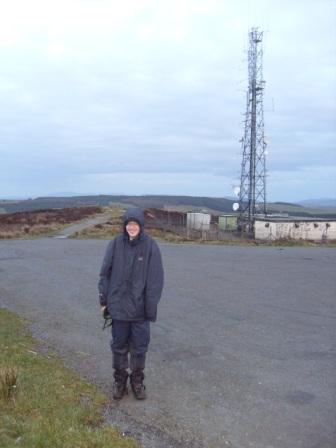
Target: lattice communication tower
252 192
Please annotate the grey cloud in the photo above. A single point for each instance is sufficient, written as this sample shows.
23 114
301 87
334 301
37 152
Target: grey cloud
126 101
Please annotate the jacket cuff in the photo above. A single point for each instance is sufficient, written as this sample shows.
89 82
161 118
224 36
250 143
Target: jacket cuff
151 318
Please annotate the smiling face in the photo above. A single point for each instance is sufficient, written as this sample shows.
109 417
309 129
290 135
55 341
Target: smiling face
133 229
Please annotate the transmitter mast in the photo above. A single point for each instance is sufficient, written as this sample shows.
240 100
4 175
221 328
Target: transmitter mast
252 192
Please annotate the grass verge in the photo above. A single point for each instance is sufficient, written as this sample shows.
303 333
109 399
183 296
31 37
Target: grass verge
44 404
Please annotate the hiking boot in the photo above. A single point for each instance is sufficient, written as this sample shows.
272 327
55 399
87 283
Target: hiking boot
120 384
138 387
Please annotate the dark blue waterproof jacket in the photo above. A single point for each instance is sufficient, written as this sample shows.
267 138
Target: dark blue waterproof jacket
131 276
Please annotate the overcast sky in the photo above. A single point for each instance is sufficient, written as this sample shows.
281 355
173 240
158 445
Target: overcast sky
148 96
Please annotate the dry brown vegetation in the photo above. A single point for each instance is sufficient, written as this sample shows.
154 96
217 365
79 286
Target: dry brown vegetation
8 383
44 222
41 222
114 226
107 229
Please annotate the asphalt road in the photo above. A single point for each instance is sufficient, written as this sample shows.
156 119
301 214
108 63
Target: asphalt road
243 354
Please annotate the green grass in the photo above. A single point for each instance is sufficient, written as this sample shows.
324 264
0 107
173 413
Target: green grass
47 405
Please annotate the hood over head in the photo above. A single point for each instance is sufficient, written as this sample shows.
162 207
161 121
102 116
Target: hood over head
134 214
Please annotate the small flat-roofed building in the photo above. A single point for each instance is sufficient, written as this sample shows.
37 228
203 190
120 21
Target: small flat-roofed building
198 221
227 222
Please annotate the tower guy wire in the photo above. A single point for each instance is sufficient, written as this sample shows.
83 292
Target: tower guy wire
252 192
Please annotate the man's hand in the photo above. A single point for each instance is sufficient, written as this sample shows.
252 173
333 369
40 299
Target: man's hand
102 309
107 316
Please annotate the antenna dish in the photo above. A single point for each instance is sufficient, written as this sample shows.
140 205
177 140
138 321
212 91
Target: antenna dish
236 191
235 206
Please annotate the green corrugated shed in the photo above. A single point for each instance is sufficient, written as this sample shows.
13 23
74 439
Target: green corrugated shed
227 222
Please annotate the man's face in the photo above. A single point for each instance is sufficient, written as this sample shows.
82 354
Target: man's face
133 229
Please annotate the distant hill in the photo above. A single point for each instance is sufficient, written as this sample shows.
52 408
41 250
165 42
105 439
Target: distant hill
219 204
185 203
319 203
291 204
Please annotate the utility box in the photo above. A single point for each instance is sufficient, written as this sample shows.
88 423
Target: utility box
198 221
227 222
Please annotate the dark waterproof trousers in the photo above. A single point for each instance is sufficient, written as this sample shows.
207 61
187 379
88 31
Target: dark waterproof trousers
129 337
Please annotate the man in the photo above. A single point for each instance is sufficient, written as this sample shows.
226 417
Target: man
130 286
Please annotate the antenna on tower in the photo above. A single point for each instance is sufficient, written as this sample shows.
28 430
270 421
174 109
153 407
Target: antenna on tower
252 192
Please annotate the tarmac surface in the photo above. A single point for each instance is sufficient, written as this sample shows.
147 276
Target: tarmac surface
242 355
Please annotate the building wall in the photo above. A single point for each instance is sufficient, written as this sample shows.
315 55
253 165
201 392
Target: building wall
316 231
198 221
227 222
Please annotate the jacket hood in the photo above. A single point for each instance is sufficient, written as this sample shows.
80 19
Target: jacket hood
134 214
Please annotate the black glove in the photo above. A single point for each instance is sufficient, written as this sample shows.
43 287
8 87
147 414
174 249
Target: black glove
108 318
